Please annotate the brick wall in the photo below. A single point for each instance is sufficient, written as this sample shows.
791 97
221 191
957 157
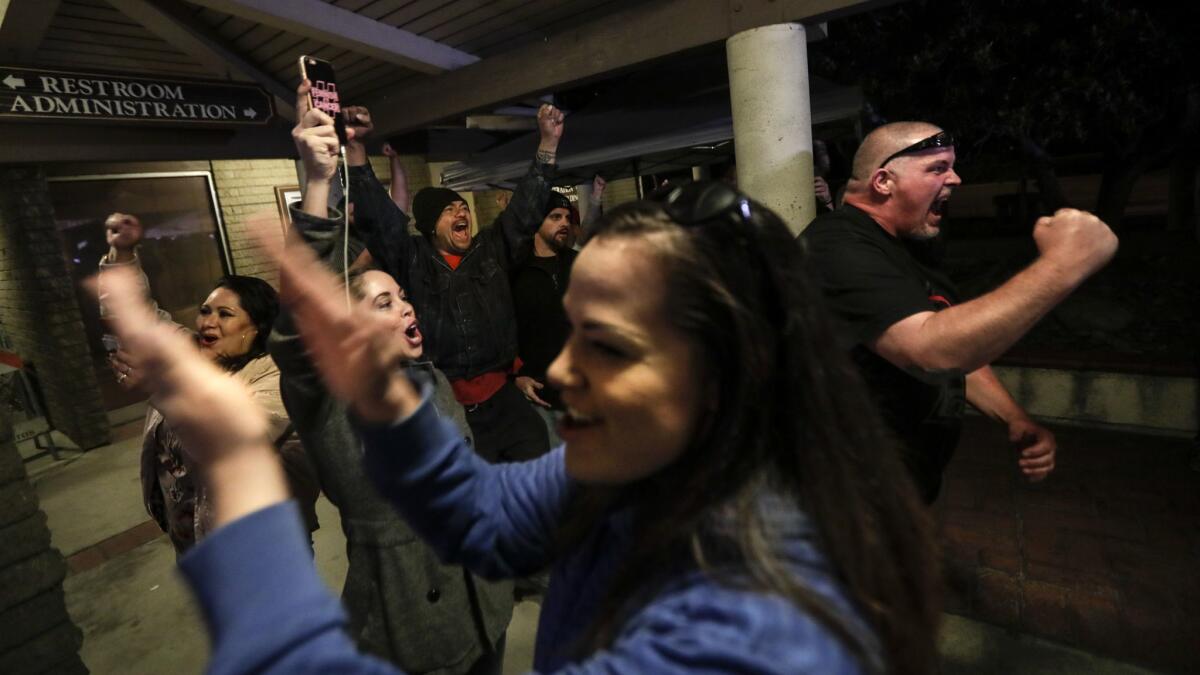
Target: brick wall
39 309
619 192
487 210
415 168
245 190
36 634
1103 555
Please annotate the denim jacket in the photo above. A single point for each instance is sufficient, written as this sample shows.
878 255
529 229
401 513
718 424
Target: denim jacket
466 314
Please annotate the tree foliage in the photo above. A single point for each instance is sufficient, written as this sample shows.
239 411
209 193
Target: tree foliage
1029 78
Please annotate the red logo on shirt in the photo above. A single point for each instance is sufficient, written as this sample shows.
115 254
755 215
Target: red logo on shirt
941 300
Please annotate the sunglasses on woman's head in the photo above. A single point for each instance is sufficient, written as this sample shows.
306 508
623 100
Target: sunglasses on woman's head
698 203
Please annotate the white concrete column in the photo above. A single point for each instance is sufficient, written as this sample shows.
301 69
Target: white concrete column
772 121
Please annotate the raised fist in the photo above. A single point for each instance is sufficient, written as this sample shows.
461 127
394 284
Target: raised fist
122 232
822 192
358 118
1077 240
550 124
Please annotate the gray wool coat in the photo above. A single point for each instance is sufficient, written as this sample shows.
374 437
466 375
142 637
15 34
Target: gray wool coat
404 605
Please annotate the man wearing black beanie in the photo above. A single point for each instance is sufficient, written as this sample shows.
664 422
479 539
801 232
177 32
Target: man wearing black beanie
458 282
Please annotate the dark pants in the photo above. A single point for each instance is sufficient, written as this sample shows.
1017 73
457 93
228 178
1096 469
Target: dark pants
506 427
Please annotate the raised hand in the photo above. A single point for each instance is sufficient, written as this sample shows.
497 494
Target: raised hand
358 118
399 186
822 192
1078 241
358 127
598 185
315 138
550 124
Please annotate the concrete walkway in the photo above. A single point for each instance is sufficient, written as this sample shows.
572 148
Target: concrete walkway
135 611
138 617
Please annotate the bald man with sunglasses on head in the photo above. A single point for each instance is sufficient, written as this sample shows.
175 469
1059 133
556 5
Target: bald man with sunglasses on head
922 352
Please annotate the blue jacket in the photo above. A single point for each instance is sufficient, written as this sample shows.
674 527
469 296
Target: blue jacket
269 612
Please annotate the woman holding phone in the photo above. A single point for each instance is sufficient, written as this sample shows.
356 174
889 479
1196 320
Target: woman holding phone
725 500
403 605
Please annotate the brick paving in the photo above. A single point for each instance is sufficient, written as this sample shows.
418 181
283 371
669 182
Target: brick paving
96 554
122 542
1104 555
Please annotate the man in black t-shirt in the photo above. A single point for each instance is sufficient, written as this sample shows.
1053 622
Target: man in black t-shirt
922 353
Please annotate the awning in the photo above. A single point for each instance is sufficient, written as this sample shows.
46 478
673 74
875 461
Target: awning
694 132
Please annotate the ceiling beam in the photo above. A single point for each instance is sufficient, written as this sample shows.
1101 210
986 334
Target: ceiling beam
25 23
332 25
178 26
502 122
621 40
55 142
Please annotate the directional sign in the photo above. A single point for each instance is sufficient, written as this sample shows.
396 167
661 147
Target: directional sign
31 93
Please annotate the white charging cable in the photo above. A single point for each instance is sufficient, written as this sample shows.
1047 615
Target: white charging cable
346 226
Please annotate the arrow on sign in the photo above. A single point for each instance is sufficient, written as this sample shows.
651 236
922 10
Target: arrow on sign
14 82
250 112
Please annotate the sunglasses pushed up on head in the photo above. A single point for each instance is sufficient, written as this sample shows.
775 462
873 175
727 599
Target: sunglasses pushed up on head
941 139
695 205
699 203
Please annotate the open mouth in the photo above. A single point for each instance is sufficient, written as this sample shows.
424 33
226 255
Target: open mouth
573 420
208 340
940 205
413 334
461 227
